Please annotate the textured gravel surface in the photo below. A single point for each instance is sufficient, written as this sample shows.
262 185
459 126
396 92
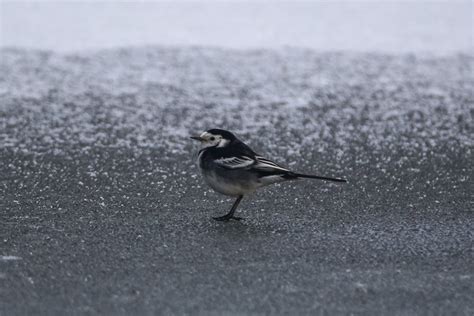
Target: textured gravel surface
102 209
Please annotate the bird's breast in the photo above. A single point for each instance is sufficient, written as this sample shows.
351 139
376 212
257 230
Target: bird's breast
227 185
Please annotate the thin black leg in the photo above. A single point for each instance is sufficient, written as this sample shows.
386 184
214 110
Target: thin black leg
230 215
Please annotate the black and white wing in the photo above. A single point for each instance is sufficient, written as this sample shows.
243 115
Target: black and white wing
266 165
269 171
257 163
236 162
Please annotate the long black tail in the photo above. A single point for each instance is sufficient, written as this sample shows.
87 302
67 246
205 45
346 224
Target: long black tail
300 175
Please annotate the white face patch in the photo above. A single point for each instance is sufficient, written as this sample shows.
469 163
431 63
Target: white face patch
211 140
223 142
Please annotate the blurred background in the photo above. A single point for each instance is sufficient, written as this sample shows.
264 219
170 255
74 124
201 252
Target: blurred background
382 26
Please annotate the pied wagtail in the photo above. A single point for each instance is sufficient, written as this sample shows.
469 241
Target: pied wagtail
230 167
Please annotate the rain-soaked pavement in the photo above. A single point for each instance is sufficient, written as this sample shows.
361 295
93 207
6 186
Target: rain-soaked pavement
102 209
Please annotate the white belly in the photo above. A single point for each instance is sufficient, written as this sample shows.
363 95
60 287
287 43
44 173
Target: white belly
231 188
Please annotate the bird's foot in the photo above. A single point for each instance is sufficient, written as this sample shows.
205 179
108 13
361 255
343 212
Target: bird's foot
226 218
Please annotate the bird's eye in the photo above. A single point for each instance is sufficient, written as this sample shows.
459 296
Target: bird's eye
213 138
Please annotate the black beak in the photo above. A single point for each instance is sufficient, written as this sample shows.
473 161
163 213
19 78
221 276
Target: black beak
197 138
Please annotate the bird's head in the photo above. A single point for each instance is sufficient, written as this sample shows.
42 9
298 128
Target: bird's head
215 138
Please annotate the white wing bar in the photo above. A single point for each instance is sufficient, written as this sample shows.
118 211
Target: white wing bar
241 162
266 164
235 162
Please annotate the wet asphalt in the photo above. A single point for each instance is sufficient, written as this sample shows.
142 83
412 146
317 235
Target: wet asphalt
106 213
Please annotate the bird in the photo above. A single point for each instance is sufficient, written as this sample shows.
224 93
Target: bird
232 168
